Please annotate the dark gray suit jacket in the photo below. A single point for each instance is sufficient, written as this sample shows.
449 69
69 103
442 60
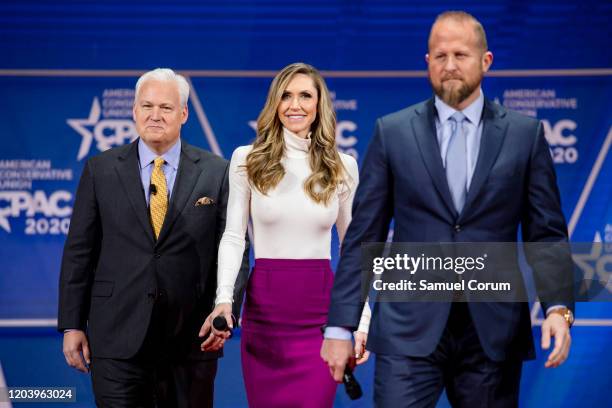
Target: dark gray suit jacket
113 269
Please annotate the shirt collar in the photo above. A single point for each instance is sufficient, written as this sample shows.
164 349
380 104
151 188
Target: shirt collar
473 112
146 155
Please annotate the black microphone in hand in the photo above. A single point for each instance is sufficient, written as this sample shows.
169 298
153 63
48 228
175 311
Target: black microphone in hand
220 324
351 386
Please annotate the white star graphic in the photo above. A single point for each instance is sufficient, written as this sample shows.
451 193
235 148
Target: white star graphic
594 263
80 126
4 223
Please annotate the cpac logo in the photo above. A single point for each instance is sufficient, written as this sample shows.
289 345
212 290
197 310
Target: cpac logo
107 132
13 203
596 264
555 134
561 140
346 143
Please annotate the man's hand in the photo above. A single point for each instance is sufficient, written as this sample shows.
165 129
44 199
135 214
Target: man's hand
361 354
76 350
337 354
556 326
217 338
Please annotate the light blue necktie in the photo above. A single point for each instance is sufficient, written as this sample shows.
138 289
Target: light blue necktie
456 161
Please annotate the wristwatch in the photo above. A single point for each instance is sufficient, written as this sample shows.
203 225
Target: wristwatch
566 313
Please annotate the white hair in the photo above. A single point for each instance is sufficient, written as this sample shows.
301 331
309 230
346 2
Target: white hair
166 74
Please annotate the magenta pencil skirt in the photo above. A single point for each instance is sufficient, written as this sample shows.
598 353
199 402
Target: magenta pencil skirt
286 305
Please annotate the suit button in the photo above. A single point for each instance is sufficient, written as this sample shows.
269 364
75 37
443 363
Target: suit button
157 256
457 228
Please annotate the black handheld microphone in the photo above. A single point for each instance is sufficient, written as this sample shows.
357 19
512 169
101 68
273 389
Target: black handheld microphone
220 324
351 386
153 189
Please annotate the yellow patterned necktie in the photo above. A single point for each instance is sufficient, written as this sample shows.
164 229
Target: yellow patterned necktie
158 205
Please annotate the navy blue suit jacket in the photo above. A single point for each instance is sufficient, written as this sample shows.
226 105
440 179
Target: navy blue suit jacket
402 178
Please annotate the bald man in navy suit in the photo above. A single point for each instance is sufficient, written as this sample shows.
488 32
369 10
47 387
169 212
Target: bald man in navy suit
455 168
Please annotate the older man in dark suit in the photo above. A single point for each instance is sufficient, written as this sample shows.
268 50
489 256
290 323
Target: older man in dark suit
139 267
455 168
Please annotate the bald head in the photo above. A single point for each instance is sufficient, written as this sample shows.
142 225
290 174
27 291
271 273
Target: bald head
463 18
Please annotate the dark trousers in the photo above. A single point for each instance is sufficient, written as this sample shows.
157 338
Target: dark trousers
154 378
458 364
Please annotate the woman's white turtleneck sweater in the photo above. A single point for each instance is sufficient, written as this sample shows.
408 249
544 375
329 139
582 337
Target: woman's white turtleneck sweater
287 224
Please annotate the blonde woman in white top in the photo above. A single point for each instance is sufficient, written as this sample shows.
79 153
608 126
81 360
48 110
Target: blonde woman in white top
294 185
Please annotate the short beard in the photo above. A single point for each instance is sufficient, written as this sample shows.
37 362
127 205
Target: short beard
456 95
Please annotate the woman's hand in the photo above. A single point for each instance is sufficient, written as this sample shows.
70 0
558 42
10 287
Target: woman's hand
361 354
217 338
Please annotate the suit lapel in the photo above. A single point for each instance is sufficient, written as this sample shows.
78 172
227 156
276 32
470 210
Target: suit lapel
424 128
128 170
186 178
494 129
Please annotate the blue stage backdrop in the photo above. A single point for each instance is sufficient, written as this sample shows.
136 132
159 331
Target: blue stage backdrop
66 93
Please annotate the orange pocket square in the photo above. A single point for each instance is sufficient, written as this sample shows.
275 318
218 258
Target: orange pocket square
204 201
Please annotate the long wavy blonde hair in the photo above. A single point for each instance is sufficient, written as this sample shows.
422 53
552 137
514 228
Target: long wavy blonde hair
263 163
